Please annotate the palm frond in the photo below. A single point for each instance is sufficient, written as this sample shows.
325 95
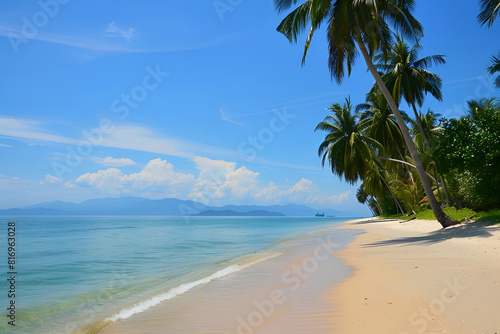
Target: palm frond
490 9
429 61
495 65
282 5
399 14
295 22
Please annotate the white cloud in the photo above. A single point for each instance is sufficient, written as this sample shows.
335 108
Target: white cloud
220 181
4 145
128 137
113 31
303 192
334 199
103 45
269 194
30 130
141 138
157 180
115 162
50 179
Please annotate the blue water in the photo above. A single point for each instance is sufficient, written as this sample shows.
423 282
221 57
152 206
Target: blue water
76 270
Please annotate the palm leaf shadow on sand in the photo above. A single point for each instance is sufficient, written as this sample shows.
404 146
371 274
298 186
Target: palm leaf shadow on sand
470 230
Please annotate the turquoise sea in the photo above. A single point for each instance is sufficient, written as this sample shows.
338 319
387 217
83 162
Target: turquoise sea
74 271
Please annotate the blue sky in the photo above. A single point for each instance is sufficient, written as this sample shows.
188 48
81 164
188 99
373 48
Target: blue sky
207 102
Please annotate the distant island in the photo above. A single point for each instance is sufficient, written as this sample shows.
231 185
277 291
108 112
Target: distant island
229 213
165 207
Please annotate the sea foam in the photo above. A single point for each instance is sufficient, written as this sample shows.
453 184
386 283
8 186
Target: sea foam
178 290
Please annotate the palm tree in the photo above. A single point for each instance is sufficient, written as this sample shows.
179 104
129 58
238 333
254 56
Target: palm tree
376 184
490 10
362 24
432 129
362 197
430 126
346 147
381 126
349 150
407 77
408 190
480 108
361 194
372 202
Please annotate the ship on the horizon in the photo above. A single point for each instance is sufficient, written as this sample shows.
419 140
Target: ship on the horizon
320 214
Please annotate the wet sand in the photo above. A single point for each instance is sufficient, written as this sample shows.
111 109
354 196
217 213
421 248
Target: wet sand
285 294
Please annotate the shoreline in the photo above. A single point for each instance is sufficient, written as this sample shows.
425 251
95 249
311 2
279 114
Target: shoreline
415 277
389 277
283 294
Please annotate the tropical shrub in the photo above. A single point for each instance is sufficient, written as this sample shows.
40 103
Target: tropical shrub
469 154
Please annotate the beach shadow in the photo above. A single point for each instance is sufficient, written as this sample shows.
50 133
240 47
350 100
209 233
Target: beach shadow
372 221
470 230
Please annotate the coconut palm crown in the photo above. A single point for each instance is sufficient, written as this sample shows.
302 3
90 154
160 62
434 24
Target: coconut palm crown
490 10
346 147
363 24
406 76
349 21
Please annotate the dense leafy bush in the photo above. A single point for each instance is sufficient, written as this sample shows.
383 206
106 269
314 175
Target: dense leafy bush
469 154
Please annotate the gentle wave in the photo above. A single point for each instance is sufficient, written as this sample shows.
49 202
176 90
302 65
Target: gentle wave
174 292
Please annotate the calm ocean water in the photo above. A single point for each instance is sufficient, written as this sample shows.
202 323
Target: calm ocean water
80 270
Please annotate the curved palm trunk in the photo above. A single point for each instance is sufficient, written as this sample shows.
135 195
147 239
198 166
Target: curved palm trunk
426 141
443 219
437 186
445 188
420 126
406 164
447 194
398 206
371 210
381 212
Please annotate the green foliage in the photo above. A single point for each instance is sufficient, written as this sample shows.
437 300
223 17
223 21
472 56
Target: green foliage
423 207
426 213
376 116
490 9
407 194
492 216
346 147
406 76
451 212
469 153
387 204
361 194
392 216
373 205
349 22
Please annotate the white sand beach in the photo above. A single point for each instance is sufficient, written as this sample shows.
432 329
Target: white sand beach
415 277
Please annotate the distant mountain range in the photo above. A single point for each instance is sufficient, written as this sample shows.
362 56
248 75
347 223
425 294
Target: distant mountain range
231 213
164 207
